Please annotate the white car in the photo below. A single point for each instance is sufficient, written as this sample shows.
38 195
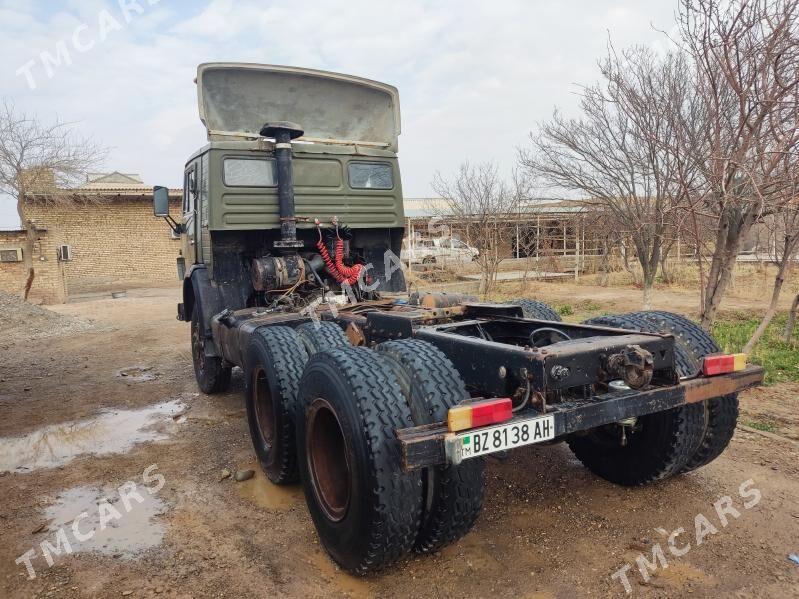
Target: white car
439 250
454 250
421 251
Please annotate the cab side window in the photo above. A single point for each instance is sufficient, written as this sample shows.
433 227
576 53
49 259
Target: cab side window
189 190
203 192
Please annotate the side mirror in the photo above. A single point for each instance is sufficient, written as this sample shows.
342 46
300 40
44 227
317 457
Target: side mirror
161 201
161 208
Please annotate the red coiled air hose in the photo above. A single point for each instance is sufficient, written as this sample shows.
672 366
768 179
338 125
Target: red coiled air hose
336 267
351 273
329 264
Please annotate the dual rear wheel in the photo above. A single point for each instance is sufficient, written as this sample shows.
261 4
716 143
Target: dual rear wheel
326 412
666 443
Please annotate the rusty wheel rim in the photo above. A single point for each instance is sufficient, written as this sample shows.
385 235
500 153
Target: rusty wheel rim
264 406
328 462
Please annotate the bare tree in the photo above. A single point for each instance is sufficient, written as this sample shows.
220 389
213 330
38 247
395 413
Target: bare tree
745 55
791 323
613 152
40 163
482 203
784 233
603 230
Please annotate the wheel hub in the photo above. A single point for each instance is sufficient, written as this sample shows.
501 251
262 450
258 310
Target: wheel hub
264 406
328 461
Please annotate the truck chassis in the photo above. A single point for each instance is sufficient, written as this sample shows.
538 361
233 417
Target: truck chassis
582 378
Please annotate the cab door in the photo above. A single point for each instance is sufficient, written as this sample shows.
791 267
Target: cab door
190 220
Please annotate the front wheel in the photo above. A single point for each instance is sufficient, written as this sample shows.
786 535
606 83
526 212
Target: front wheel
211 374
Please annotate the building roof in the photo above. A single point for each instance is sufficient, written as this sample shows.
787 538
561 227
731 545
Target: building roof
417 207
123 184
541 206
427 207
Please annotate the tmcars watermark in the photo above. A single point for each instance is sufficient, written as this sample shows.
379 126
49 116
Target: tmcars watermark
84 38
129 492
679 541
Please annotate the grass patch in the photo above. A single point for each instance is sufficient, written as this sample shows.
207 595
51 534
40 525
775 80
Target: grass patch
780 359
565 310
588 306
767 427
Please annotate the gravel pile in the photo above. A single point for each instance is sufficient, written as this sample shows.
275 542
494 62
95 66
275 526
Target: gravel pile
22 320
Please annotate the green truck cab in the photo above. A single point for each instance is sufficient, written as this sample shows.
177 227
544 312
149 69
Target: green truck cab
345 181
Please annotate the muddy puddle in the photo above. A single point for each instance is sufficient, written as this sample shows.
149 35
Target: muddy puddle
345 584
116 431
138 374
100 521
264 494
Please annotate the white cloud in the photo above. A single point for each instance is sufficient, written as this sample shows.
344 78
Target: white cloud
474 76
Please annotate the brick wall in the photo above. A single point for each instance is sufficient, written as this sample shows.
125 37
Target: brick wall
116 244
49 283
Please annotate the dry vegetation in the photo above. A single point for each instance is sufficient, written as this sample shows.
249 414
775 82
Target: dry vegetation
742 311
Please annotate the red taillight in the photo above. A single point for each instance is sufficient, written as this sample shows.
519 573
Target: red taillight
491 412
712 365
479 413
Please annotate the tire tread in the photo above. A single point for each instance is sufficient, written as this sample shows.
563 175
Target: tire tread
395 495
320 336
692 344
283 348
458 493
536 310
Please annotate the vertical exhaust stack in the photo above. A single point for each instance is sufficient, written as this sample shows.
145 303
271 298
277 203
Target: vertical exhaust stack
283 132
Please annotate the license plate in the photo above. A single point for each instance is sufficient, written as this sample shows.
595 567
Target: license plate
483 441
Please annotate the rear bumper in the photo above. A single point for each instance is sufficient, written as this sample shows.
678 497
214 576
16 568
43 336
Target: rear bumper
424 446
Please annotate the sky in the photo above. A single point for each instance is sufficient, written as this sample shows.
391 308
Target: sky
474 77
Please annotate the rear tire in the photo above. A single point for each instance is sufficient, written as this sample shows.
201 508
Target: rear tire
274 363
453 495
660 445
212 376
692 344
319 336
365 508
536 310
660 448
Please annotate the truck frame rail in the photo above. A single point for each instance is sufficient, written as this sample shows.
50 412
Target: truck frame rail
434 444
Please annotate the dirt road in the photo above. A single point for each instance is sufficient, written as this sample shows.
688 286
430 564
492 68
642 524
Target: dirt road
86 412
